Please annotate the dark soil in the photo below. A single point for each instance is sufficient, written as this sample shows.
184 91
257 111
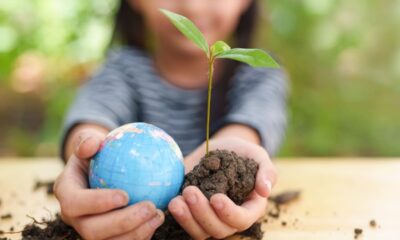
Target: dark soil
282 199
254 232
372 223
220 172
285 197
224 172
55 229
6 216
357 232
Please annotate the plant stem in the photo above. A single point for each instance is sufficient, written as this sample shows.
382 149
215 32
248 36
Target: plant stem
210 76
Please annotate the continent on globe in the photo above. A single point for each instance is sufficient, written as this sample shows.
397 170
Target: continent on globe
142 160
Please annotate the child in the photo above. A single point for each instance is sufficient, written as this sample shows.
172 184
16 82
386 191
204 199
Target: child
159 77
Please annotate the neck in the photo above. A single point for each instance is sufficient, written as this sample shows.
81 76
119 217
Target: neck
185 71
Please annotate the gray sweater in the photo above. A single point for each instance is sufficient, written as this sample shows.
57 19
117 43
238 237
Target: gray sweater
128 89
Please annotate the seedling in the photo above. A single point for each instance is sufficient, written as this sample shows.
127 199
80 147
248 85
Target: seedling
220 49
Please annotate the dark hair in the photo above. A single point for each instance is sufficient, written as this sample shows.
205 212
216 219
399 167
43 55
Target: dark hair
130 30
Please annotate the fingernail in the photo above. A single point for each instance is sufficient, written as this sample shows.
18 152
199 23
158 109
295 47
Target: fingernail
144 211
192 199
156 221
119 199
82 140
268 184
218 205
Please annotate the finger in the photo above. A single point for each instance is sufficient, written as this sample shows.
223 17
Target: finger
239 217
266 175
181 212
144 231
75 199
204 214
88 146
82 202
73 178
116 222
266 178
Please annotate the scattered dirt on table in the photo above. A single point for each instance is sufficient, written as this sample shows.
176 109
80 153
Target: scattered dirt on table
357 232
285 197
282 199
220 172
48 185
372 223
6 216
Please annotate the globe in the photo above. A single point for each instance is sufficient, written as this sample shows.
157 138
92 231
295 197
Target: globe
142 160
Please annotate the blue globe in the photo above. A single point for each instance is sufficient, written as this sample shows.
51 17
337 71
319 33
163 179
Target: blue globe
142 160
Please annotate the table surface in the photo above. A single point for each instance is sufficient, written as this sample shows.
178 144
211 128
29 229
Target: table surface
337 196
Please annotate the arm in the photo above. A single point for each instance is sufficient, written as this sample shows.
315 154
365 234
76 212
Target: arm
257 99
104 102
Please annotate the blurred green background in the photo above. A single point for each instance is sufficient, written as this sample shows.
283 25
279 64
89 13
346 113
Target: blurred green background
343 58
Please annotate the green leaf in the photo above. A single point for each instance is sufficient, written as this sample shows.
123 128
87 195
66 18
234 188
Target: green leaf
187 28
254 57
219 47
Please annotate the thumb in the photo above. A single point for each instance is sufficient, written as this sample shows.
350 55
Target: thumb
88 145
265 179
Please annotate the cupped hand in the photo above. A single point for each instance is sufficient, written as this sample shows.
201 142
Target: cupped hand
100 213
220 217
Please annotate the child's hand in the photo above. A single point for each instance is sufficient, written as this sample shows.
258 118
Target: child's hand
97 213
221 217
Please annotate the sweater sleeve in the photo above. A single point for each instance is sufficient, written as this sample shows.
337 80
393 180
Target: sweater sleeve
257 98
107 99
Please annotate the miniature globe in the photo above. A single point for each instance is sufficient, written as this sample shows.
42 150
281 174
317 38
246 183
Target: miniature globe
142 160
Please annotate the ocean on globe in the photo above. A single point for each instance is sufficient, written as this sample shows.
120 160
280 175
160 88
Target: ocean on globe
142 160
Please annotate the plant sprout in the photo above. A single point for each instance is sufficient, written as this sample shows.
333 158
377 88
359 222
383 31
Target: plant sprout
252 56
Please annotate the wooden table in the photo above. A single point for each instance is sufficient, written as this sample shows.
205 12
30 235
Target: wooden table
338 195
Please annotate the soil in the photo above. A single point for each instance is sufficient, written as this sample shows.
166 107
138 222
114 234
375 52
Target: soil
357 232
6 216
282 199
254 232
224 172
372 223
285 197
55 229
219 172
